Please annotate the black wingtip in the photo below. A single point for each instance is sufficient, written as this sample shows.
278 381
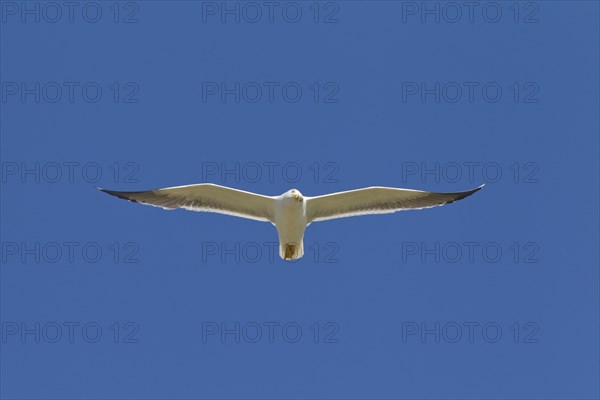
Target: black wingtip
465 194
120 195
477 189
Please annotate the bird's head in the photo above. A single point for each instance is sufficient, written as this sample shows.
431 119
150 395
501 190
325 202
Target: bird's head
294 194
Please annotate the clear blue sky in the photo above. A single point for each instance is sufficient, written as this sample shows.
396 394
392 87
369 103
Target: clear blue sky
496 296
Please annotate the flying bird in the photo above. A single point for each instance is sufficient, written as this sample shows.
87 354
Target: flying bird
290 212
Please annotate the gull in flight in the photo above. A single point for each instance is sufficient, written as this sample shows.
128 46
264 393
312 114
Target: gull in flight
290 212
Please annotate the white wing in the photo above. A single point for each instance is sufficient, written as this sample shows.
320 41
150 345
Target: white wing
376 200
206 197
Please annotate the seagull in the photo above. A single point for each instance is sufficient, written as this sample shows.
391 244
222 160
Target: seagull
290 212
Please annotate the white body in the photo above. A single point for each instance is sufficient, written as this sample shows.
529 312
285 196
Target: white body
291 222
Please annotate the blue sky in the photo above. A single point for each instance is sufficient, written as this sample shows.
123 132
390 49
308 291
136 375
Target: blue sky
496 296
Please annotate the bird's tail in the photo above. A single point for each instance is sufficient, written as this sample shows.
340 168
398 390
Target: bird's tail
291 251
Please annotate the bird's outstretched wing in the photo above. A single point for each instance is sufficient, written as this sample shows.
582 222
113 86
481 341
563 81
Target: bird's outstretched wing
206 197
376 200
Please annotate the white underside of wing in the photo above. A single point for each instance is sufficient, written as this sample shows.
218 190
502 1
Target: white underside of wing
376 200
206 198
344 214
191 207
